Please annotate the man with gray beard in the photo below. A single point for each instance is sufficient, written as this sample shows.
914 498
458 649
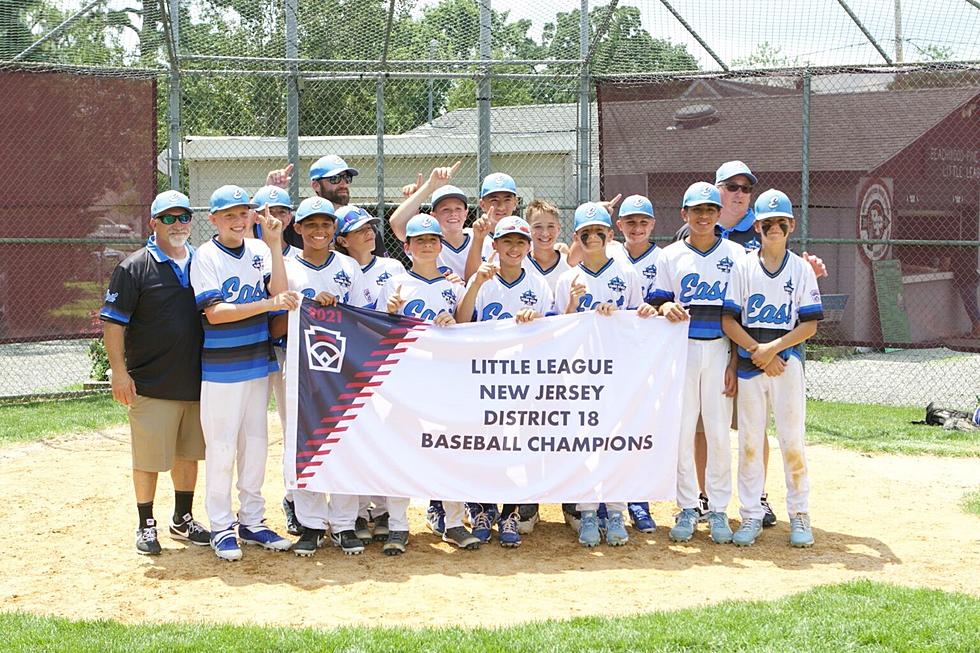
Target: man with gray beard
153 337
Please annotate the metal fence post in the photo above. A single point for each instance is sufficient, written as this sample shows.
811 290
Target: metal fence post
379 163
805 163
483 97
173 101
292 98
584 112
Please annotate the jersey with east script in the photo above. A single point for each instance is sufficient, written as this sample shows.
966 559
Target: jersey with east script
646 266
337 276
373 277
499 300
548 274
771 305
234 351
698 281
424 298
614 283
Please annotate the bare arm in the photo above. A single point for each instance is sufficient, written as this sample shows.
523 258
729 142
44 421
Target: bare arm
766 352
733 329
438 178
123 387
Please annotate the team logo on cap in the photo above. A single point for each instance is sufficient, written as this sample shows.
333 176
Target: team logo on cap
273 194
426 222
499 181
237 195
317 203
324 349
591 211
773 201
706 191
725 265
638 201
174 196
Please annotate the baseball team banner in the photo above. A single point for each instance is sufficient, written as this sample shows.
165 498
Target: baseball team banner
579 407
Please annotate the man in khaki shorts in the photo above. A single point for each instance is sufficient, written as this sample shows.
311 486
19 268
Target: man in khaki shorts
153 336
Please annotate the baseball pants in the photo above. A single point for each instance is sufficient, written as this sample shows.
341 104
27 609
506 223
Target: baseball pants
704 388
785 396
364 505
233 419
610 506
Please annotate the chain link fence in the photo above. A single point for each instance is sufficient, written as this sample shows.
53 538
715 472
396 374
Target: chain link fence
865 112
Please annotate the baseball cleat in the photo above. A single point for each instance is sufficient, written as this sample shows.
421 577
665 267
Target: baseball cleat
640 517
190 530
509 535
572 517
482 526
362 530
293 527
459 536
588 534
702 507
747 532
602 514
225 545
147 543
721 532
435 517
769 519
262 535
348 541
309 542
527 518
616 534
381 527
396 544
687 522
800 533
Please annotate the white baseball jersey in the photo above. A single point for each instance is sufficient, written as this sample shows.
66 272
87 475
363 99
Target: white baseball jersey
289 252
616 283
424 298
499 300
550 274
698 281
451 259
336 276
771 305
235 351
373 277
646 265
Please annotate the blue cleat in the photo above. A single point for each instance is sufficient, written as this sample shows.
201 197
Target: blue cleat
616 534
481 521
509 536
800 533
435 517
588 534
263 536
747 532
640 516
225 545
721 532
687 522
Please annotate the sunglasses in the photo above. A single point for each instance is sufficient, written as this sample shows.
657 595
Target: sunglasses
168 219
731 187
344 176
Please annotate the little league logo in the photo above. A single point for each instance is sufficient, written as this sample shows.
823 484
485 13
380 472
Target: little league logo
257 262
725 265
529 298
815 296
617 285
875 219
324 349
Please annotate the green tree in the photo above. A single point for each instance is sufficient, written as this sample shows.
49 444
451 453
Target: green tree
765 56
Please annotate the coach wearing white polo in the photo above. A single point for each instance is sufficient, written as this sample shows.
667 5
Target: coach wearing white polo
152 333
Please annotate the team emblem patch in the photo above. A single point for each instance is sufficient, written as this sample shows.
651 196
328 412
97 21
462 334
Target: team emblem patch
273 194
384 276
426 222
317 203
706 191
342 279
725 265
617 285
815 295
789 286
591 211
650 271
773 202
638 202
110 296
529 298
237 194
752 245
257 262
324 349
499 181
450 298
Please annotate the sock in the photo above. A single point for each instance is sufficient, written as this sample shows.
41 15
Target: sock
183 502
146 514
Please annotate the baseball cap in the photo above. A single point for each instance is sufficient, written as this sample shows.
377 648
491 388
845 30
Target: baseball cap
591 213
701 192
636 205
170 199
446 192
729 169
773 204
422 224
272 196
314 206
227 197
496 182
512 224
328 166
351 218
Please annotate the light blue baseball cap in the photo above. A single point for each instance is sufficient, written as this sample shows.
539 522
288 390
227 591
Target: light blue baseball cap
272 196
446 192
169 199
592 213
351 218
701 192
328 166
421 225
512 224
636 205
497 182
730 169
314 206
773 204
227 197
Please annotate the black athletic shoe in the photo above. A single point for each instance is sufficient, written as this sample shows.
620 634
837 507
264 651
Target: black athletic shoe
190 530
381 528
702 507
362 530
309 542
768 519
396 543
293 527
572 516
348 541
147 543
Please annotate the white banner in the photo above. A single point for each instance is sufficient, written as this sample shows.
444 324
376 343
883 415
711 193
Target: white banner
570 408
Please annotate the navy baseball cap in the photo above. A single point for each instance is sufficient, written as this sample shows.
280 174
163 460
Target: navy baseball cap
446 192
314 206
592 213
512 224
227 197
272 196
701 192
170 199
773 204
421 225
730 169
497 182
351 218
328 166
636 205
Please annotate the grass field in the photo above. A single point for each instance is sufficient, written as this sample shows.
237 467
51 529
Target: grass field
860 615
21 423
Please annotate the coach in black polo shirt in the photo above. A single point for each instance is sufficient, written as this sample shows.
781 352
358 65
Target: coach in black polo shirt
152 332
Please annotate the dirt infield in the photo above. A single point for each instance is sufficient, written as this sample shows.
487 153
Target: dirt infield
66 548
